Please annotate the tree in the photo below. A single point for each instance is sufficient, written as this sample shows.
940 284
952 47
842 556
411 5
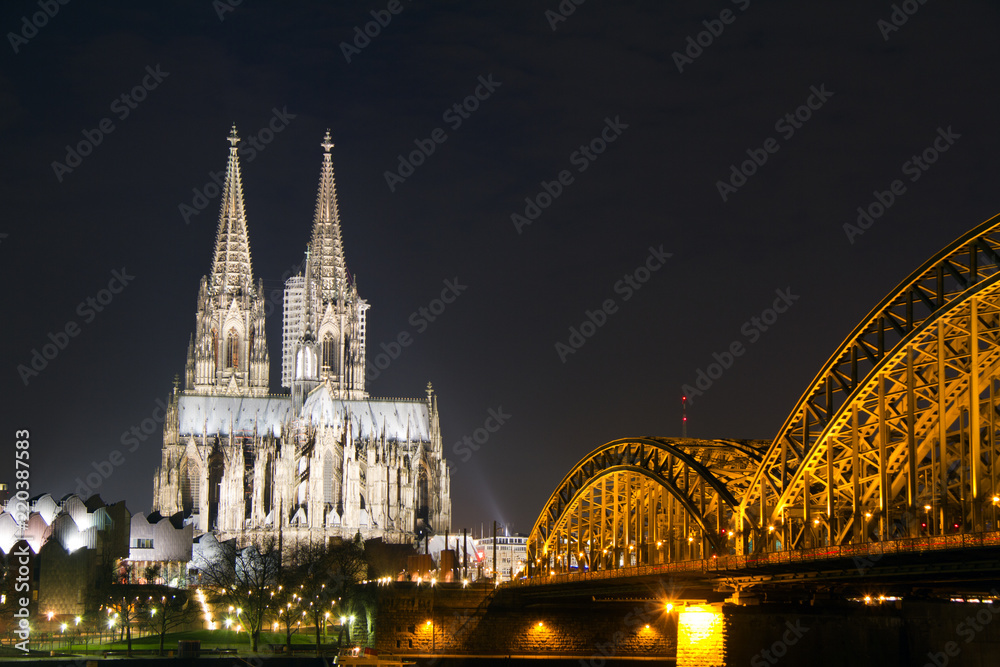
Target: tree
284 606
111 594
122 604
242 578
312 564
172 609
346 570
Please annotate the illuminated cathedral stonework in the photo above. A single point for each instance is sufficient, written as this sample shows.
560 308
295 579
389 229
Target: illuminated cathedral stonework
324 460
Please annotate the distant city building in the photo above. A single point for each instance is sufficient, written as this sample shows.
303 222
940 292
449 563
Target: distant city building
511 551
325 460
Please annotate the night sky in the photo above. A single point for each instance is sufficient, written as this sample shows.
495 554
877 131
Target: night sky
642 126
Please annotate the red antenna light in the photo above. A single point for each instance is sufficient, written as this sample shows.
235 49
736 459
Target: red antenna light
684 416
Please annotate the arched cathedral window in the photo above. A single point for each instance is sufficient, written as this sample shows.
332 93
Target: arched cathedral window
215 348
232 349
327 352
328 479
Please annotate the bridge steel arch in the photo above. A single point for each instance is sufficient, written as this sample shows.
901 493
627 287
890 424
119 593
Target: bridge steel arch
643 501
899 433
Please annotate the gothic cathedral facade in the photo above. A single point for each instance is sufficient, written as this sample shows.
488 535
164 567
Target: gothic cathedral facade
323 460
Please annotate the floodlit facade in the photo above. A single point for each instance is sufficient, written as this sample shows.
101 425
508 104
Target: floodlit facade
72 539
324 460
160 549
511 552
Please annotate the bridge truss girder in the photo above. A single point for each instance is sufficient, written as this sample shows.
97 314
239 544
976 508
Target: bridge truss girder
879 470
642 501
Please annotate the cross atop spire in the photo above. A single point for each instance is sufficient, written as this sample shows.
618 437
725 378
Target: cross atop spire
329 267
232 272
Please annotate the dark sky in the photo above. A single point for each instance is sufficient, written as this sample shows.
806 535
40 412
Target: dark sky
884 96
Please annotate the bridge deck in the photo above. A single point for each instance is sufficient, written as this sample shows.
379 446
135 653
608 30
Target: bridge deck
861 556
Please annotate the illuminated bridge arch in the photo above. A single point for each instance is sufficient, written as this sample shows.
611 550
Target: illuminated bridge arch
899 433
641 501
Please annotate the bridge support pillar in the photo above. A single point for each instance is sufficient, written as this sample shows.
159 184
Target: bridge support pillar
701 636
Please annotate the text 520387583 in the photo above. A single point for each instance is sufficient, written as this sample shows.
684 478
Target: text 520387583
20 510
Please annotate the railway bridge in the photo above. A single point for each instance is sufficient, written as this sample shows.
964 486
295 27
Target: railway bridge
866 531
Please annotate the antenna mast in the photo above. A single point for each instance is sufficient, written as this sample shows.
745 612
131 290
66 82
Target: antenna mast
684 416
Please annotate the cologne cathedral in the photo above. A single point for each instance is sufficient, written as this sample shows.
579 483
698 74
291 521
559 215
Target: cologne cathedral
323 460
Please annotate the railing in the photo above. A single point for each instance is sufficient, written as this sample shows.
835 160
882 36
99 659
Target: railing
869 550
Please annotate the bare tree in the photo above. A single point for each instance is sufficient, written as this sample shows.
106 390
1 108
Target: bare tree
122 604
242 578
172 609
346 570
284 606
313 567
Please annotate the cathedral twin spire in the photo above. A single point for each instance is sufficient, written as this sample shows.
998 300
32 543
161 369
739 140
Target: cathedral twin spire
329 266
324 316
228 353
324 328
232 273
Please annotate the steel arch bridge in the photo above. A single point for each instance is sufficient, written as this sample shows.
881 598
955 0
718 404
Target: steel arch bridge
896 437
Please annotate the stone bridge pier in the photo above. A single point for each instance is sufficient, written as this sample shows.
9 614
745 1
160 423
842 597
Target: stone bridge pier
449 621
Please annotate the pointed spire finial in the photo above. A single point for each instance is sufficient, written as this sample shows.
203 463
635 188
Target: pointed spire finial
231 267
329 267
